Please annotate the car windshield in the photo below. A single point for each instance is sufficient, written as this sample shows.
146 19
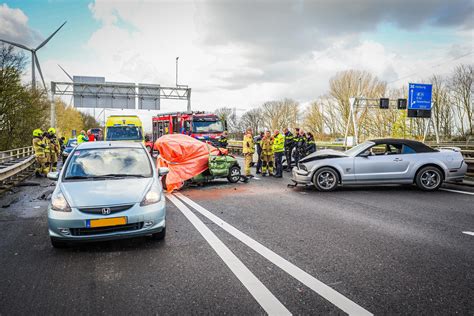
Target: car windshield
72 142
108 163
355 150
124 133
208 127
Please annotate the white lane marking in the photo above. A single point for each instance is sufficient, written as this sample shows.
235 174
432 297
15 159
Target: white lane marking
260 292
469 233
457 191
317 286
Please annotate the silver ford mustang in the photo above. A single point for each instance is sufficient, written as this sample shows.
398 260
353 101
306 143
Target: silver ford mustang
381 161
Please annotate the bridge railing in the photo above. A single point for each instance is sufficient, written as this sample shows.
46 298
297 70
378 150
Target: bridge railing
13 162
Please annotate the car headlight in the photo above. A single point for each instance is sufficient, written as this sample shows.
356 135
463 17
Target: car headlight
302 167
59 203
151 197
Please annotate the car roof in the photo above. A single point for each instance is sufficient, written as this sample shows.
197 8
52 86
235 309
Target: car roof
109 144
419 147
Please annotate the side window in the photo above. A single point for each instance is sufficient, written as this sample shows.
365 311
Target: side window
378 150
407 150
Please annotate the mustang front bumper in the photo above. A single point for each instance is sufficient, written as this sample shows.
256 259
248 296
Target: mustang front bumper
300 176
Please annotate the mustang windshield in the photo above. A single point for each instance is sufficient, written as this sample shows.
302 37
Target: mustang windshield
208 127
355 150
108 163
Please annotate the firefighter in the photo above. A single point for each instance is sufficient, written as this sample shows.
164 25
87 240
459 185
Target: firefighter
289 144
47 151
311 144
40 156
82 138
267 154
248 150
258 145
223 140
54 148
278 150
300 146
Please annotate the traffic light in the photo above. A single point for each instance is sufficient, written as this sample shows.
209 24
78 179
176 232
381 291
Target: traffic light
384 102
402 104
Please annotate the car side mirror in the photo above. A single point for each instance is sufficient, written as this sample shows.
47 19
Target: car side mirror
163 171
53 176
365 154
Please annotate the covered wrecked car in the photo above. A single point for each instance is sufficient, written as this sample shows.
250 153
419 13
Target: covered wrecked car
381 161
190 160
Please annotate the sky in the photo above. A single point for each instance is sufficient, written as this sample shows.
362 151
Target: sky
241 53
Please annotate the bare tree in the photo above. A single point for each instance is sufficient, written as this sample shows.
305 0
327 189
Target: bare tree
252 119
461 87
313 121
228 115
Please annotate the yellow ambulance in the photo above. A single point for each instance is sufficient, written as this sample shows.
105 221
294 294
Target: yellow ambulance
124 128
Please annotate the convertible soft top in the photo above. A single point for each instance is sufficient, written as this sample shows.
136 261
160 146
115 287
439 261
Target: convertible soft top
418 147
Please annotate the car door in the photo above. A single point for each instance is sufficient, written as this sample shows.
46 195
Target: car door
385 164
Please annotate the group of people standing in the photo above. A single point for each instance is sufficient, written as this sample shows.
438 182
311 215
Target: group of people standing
47 148
271 148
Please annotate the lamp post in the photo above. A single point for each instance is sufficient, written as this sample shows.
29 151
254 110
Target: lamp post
177 71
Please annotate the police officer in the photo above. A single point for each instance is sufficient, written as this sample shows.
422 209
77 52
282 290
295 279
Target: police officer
258 144
40 156
267 154
310 144
248 150
289 144
223 140
278 151
300 146
54 148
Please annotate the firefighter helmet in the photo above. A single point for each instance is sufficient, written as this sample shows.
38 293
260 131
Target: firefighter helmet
37 133
52 130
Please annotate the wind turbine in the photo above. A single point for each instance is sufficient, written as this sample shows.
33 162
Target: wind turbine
34 57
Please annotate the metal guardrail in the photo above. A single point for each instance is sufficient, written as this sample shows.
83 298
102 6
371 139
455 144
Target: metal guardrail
14 162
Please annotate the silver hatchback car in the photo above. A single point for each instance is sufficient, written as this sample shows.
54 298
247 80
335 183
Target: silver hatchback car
107 190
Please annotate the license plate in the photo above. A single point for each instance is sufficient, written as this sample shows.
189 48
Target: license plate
104 222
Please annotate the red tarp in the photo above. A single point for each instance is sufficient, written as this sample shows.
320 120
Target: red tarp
185 156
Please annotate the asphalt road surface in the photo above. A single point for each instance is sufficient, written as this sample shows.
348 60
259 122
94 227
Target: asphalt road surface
250 249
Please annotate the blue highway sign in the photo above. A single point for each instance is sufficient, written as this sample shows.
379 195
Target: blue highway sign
419 96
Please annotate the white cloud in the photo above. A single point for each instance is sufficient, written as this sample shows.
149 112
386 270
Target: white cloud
234 54
14 26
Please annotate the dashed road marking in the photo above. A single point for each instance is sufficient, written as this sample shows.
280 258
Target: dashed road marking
469 233
457 191
317 286
260 292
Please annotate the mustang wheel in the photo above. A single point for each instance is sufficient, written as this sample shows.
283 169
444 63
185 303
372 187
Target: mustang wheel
429 178
234 174
325 179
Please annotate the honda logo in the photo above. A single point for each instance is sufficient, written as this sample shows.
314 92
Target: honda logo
106 211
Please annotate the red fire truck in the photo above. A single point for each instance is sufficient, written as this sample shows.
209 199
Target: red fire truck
200 125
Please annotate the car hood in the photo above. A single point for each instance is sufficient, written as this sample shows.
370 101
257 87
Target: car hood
323 154
105 192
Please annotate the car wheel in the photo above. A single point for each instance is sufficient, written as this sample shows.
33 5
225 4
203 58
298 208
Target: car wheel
159 236
234 174
58 244
326 179
429 178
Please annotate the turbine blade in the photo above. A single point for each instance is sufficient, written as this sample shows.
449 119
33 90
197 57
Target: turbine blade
65 72
47 40
15 44
40 72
